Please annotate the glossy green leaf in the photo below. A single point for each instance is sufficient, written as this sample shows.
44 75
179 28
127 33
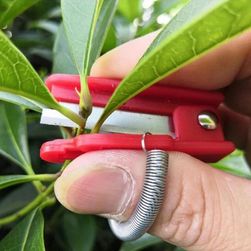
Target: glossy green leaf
13 135
46 25
62 60
11 180
79 231
30 40
18 77
78 17
196 29
163 6
145 241
130 9
235 164
17 199
10 9
54 12
18 100
110 41
27 235
101 30
86 25
42 53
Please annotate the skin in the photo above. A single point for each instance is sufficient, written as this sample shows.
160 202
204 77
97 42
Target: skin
204 208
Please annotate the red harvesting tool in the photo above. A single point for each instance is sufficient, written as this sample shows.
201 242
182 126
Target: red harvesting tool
178 119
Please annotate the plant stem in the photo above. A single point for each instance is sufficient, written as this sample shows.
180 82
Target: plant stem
49 202
37 184
35 203
97 127
71 115
45 177
66 163
41 200
79 131
41 177
29 178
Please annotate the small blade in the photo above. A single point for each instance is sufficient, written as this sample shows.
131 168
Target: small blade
119 121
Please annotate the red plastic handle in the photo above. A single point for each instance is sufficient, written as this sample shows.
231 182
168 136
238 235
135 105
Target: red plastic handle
158 99
57 151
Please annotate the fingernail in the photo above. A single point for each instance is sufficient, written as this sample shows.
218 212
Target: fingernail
100 191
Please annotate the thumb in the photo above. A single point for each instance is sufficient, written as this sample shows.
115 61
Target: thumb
203 209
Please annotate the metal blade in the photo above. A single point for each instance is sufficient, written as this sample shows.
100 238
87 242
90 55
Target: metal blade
119 121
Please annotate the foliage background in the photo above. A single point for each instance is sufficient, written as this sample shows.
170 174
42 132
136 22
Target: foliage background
37 33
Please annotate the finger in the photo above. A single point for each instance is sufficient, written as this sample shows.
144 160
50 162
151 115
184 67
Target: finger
214 70
203 209
118 62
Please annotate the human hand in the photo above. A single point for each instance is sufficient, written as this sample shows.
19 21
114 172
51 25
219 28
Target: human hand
204 208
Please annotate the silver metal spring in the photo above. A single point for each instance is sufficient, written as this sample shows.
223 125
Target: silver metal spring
150 201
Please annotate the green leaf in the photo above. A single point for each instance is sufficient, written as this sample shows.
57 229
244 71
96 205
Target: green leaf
54 13
17 199
79 231
78 17
18 100
196 29
13 134
110 41
86 25
62 60
101 30
145 241
27 235
167 6
10 9
10 180
130 9
235 164
46 25
18 77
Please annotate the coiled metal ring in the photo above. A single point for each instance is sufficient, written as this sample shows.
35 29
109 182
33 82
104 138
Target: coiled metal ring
150 201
